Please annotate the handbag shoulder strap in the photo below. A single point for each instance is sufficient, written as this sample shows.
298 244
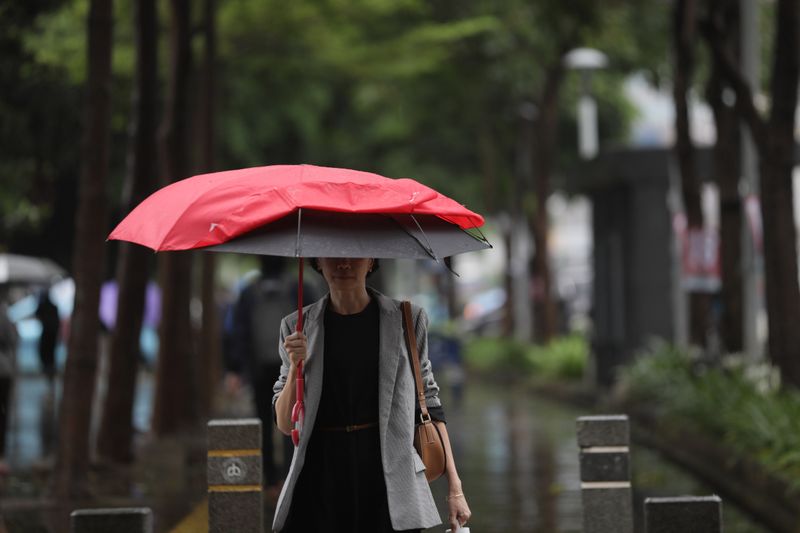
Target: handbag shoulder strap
413 354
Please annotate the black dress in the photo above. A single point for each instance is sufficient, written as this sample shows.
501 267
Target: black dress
341 487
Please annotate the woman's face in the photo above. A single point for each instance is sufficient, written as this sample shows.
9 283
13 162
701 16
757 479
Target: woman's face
345 273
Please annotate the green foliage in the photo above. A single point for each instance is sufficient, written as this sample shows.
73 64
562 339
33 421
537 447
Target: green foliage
58 39
408 88
371 85
38 158
563 359
738 403
498 354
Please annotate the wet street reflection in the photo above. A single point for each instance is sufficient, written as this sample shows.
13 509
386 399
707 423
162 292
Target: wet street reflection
516 453
32 427
34 422
518 460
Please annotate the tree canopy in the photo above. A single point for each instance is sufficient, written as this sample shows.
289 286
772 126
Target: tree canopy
429 90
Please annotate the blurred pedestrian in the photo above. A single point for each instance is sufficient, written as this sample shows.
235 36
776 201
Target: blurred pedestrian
446 354
253 354
47 315
355 468
8 367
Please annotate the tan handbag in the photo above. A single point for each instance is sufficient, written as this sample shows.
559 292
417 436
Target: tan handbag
427 439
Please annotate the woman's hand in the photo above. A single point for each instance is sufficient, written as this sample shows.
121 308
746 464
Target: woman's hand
459 512
296 346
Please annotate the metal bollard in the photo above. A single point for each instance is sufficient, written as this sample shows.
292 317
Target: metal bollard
235 501
605 474
683 514
121 520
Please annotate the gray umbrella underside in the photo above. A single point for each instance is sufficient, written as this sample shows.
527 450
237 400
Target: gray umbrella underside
27 269
307 233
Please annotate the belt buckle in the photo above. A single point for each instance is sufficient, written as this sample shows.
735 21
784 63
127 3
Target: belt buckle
350 428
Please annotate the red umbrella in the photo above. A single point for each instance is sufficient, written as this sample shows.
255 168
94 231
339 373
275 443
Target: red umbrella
213 208
218 210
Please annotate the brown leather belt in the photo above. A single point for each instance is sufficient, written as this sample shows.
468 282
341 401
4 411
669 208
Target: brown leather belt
348 429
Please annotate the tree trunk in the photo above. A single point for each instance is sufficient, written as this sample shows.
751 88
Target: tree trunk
115 440
684 24
545 132
780 234
508 282
774 140
488 158
210 334
210 337
780 263
70 476
727 169
175 406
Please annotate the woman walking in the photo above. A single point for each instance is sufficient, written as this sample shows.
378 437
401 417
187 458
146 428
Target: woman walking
355 468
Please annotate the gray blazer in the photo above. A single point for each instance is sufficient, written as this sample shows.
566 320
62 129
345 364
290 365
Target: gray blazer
411 504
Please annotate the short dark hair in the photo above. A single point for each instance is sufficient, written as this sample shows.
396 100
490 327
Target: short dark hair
376 264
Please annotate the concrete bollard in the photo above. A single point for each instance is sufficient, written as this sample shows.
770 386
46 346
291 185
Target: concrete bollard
121 520
235 501
684 514
605 474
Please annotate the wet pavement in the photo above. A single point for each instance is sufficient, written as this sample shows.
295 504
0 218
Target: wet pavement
516 454
518 459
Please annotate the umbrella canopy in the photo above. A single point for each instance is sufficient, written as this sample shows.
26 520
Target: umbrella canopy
330 234
25 269
210 209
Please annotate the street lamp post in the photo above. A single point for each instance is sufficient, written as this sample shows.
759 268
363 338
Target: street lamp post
586 61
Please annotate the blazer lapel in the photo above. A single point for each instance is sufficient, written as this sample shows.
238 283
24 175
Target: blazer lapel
314 328
390 338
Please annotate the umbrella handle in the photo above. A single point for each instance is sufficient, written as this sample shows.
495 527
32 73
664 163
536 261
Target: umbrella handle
299 410
298 416
299 383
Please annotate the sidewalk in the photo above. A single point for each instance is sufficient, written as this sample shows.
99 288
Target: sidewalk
169 475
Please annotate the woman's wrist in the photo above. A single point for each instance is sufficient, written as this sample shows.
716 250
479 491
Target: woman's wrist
453 479
454 488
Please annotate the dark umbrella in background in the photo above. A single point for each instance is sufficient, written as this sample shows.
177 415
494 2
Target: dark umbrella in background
303 211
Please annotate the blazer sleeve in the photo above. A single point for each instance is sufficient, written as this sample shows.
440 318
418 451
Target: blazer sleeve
428 381
277 388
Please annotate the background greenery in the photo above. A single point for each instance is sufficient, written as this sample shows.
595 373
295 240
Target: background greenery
738 403
409 88
563 359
